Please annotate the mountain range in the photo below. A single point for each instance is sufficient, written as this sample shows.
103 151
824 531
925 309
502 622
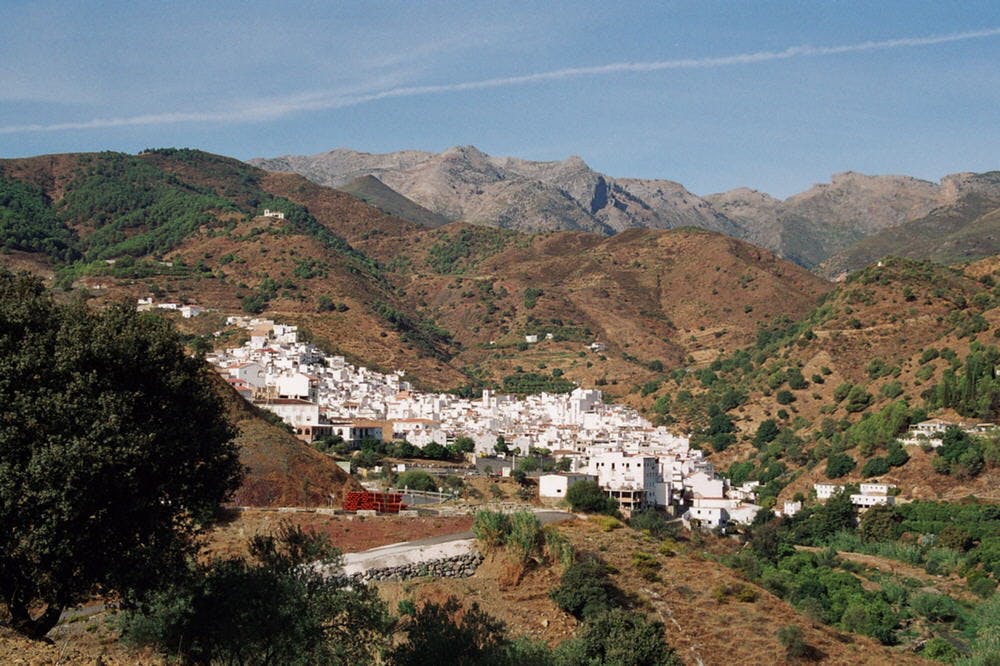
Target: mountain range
691 323
825 228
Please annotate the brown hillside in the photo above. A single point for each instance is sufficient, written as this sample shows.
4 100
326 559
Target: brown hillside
237 253
644 293
674 296
281 470
683 597
870 332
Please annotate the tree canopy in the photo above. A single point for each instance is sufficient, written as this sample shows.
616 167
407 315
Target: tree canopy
113 449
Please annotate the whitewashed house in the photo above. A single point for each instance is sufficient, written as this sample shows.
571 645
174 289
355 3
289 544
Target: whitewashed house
791 508
701 484
630 480
825 491
251 373
865 501
555 486
707 517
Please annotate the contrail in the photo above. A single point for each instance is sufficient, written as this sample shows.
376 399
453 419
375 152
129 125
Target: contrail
273 109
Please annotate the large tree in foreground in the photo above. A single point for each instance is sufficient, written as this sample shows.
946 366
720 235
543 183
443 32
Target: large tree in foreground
113 449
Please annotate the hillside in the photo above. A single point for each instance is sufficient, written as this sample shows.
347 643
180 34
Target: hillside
481 285
655 299
375 193
891 333
280 469
682 585
810 226
186 225
968 228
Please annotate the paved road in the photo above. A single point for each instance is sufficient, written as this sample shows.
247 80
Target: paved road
429 549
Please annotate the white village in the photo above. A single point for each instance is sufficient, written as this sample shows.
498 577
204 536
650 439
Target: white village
636 464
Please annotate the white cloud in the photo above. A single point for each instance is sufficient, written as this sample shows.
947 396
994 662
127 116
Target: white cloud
265 110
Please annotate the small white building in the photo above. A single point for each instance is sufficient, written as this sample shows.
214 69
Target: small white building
597 346
746 492
708 517
298 385
825 491
701 484
355 431
555 486
876 488
274 213
865 501
791 508
251 373
531 339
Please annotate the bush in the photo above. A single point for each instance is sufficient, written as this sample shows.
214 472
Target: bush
839 464
875 467
587 496
448 634
652 521
935 607
491 529
842 391
417 479
790 637
585 589
525 536
785 397
858 399
559 548
619 638
268 609
607 523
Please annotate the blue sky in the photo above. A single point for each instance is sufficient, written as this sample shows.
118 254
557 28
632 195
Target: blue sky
714 95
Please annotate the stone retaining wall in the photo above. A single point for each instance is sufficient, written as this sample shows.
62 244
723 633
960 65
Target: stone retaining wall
460 566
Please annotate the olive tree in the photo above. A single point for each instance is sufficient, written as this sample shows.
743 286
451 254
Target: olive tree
114 449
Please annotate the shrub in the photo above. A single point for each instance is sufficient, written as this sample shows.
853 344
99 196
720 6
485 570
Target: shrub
897 455
939 649
790 637
785 397
651 521
858 399
875 467
448 634
619 637
558 546
842 391
491 529
416 479
585 589
525 536
607 523
935 607
646 564
587 496
268 609
839 464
